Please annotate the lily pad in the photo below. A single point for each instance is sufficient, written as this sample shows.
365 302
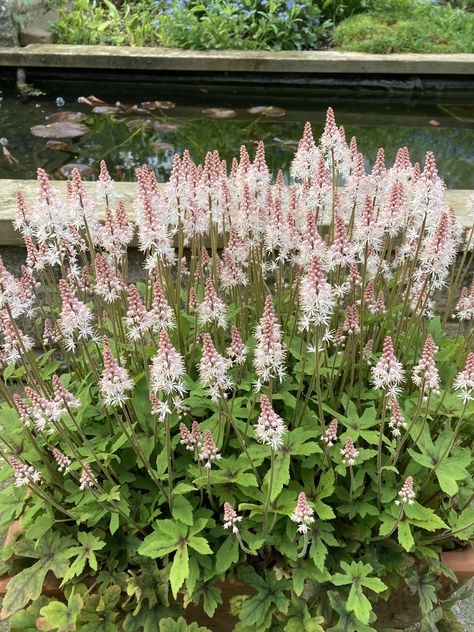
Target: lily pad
84 170
60 129
158 105
69 117
267 110
220 113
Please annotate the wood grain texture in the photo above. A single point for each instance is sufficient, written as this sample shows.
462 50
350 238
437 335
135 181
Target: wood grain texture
321 62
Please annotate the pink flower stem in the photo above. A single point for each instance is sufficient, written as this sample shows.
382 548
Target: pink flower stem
351 490
461 271
140 454
242 545
392 530
241 441
379 452
450 445
425 417
304 550
269 493
413 421
209 490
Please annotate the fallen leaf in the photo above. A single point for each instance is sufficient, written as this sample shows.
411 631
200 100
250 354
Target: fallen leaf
91 100
9 157
57 145
60 130
105 109
165 127
158 105
163 146
70 117
84 170
267 110
130 109
292 143
220 113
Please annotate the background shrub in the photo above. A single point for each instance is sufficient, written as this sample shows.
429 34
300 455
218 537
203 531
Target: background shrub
399 28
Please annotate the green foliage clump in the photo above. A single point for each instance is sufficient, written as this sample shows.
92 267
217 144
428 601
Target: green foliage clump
244 24
218 24
86 22
421 29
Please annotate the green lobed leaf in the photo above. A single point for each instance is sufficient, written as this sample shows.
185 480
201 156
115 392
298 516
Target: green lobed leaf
358 603
179 569
200 545
179 625
227 554
405 536
182 510
59 616
326 484
281 475
24 587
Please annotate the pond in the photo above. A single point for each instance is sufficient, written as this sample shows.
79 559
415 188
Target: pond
154 120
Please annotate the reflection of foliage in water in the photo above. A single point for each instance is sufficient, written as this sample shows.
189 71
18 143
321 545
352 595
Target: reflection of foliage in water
453 147
128 141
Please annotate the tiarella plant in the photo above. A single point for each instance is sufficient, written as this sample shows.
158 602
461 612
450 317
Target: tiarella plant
276 404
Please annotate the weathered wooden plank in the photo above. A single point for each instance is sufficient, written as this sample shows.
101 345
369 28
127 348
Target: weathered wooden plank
457 198
324 62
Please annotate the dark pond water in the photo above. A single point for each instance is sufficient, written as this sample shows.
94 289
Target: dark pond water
134 134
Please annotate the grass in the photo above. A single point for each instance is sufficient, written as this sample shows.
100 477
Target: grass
429 29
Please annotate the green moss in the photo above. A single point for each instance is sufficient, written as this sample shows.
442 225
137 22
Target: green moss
426 30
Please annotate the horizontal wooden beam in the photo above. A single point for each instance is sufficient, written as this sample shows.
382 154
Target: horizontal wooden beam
457 198
175 59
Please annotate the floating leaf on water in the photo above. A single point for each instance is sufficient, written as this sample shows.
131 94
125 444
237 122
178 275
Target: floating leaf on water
165 127
130 109
158 105
163 146
139 123
220 113
71 117
267 110
289 142
57 145
9 157
60 130
91 100
105 109
84 170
